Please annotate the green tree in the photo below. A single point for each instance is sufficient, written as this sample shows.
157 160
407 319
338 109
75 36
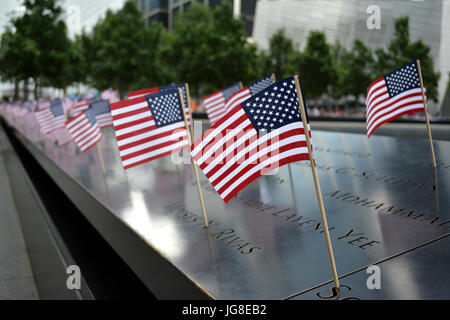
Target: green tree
277 58
315 66
235 58
118 50
402 50
357 71
209 50
336 90
190 51
18 59
43 28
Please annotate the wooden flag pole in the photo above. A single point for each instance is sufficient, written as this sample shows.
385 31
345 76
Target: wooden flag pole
426 112
274 79
100 157
194 164
316 182
241 85
188 97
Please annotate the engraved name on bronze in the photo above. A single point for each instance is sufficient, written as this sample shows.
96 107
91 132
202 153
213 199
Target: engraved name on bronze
384 207
355 239
225 235
371 175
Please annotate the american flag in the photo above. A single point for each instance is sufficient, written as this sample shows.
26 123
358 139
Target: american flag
149 127
51 118
110 95
215 102
84 130
263 133
30 117
61 135
44 103
141 93
245 93
392 96
102 113
78 106
185 100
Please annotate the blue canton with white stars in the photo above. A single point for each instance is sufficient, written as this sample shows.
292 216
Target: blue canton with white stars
55 102
91 116
260 85
176 86
403 79
274 107
57 110
228 92
165 107
100 107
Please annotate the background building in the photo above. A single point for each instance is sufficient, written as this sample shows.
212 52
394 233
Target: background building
165 11
346 20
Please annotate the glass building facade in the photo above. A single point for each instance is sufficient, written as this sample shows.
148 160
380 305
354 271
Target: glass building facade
165 11
345 21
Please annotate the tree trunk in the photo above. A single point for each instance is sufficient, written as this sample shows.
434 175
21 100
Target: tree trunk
41 85
36 88
25 90
16 90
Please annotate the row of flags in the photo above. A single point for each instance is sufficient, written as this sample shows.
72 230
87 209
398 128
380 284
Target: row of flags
147 124
255 129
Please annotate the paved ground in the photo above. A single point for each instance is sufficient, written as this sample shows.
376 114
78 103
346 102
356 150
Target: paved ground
16 276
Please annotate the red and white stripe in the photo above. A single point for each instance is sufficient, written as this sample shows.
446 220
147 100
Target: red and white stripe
62 136
104 120
79 106
237 98
142 92
380 108
48 122
138 138
31 120
83 133
214 105
110 95
231 154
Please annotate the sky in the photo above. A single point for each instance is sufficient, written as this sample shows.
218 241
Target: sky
79 13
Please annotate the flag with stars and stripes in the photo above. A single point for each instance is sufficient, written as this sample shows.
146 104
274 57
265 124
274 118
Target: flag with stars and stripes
149 127
261 134
84 130
78 106
215 102
51 118
143 92
245 93
110 95
30 117
185 100
393 96
102 112
61 136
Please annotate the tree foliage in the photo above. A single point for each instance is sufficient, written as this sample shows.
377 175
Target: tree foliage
315 66
276 60
357 73
43 27
118 46
207 49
